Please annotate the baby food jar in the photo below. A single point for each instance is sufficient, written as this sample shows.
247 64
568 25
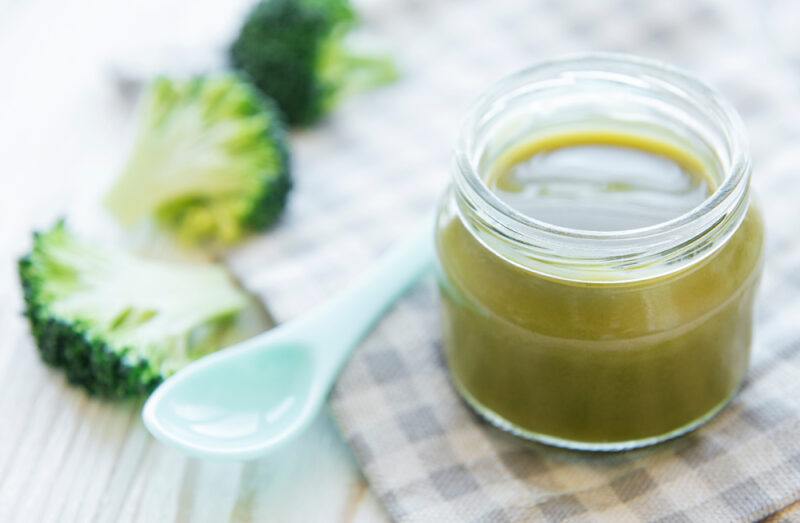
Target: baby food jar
566 327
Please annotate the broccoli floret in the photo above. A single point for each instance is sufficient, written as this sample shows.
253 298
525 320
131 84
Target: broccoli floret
209 163
118 324
295 52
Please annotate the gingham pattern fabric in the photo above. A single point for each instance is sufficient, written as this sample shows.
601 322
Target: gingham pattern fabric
365 176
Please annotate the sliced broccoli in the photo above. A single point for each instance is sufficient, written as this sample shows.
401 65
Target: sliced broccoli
210 161
294 50
118 324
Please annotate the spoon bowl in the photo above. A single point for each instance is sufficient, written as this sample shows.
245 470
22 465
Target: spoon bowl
248 399
236 406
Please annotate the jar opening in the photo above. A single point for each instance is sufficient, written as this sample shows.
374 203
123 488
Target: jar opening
604 92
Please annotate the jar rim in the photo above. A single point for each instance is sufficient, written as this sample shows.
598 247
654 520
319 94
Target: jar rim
736 175
729 193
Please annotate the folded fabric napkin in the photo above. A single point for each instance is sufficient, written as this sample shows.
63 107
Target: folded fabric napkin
362 180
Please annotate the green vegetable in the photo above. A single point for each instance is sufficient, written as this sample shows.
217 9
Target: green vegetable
210 161
295 52
118 324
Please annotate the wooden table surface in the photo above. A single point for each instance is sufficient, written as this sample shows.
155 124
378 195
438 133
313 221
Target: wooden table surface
64 456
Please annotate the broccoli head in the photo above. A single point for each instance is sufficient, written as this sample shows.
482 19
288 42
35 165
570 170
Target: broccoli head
295 52
118 324
209 163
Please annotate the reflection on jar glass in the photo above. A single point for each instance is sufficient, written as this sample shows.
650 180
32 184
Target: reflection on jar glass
598 254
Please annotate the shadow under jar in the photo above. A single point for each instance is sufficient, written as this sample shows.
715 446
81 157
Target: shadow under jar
599 253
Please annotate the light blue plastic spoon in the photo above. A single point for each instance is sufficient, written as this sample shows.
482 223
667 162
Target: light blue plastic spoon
244 401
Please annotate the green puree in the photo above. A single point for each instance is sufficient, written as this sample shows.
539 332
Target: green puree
598 362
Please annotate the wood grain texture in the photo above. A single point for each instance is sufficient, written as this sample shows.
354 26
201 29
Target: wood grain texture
786 515
65 457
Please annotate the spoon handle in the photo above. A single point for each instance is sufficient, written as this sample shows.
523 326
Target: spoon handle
336 327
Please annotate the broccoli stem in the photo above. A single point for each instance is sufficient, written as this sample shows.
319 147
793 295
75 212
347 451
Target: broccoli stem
350 73
363 73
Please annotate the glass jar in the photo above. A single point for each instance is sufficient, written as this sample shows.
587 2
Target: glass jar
599 340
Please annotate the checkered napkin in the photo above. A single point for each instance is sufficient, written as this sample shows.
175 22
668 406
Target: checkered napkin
365 176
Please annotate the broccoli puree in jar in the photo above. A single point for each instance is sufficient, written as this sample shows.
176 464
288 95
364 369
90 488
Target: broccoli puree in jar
598 362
